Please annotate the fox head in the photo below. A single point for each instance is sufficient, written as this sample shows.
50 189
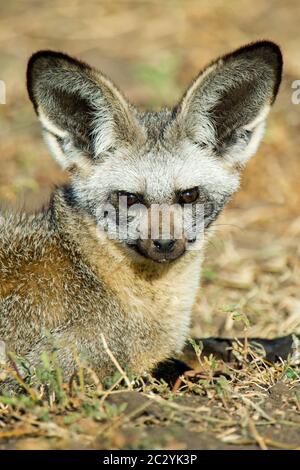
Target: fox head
191 155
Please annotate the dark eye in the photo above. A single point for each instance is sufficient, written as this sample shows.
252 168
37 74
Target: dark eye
188 196
130 198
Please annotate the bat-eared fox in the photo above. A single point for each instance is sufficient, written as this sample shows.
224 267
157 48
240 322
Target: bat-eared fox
117 254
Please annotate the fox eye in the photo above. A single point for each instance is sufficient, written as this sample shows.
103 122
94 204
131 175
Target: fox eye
131 198
188 196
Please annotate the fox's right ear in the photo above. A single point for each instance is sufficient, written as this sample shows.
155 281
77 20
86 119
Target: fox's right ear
82 113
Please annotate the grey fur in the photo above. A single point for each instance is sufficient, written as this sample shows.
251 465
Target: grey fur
56 275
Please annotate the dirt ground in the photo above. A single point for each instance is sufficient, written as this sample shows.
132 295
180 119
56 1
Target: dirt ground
251 277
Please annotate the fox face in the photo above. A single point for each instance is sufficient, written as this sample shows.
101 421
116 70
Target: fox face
155 181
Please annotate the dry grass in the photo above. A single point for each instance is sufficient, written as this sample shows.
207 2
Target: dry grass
246 404
252 269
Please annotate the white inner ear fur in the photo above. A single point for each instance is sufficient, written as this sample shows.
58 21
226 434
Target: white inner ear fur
47 124
198 81
103 134
202 129
70 155
241 152
204 132
56 150
51 140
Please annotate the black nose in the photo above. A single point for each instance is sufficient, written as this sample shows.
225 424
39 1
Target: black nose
163 246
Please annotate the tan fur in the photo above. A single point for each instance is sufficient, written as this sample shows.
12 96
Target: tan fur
63 284
78 287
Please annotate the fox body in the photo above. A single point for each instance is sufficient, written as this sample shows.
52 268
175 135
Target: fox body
65 278
62 280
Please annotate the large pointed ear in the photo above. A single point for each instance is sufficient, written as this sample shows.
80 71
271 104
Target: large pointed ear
227 105
81 111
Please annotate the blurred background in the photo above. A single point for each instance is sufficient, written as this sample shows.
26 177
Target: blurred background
152 50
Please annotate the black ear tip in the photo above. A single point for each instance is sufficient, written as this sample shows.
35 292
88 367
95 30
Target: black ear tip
42 57
35 63
52 58
269 52
265 44
46 60
269 49
46 57
273 55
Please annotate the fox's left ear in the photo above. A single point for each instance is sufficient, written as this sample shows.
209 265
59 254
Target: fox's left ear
227 105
